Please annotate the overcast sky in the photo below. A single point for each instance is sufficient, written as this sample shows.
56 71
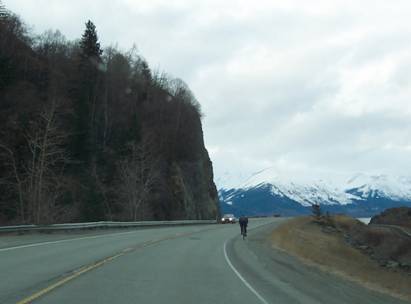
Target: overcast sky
303 86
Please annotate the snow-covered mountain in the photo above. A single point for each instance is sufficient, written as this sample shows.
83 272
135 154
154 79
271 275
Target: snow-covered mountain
365 186
268 192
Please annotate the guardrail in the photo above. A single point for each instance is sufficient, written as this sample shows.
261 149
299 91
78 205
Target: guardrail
102 225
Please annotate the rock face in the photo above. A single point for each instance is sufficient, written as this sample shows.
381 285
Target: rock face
193 192
395 216
186 189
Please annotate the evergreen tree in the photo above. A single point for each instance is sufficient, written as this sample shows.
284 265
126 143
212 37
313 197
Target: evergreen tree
87 109
316 211
86 94
145 71
90 47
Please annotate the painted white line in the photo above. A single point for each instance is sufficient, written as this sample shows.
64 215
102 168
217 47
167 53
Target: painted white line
64 241
241 277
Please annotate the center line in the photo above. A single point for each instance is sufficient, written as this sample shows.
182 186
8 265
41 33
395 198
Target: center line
104 261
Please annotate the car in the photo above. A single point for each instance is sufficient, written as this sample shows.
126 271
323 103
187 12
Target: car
228 218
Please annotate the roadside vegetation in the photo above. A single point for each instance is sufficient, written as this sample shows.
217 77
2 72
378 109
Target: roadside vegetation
377 256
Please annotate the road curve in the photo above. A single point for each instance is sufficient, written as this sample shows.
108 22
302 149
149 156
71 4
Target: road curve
402 230
190 264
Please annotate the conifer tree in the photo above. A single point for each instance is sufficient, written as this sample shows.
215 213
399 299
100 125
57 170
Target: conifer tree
86 91
90 47
87 109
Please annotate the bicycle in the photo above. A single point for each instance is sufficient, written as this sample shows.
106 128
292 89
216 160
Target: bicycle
244 232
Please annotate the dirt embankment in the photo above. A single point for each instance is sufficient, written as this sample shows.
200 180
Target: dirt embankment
376 257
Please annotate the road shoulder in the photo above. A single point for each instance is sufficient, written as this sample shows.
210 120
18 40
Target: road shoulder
281 278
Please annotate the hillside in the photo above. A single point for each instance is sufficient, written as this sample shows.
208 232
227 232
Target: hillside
373 256
395 216
92 134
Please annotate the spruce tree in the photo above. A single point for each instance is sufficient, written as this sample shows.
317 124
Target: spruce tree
316 211
90 47
146 72
87 108
86 94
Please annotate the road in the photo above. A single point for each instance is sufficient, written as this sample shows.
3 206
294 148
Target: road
187 264
399 229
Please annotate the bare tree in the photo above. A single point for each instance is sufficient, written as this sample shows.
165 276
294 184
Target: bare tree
46 164
38 179
139 174
10 160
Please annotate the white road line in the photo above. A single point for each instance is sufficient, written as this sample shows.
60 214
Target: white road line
63 241
241 277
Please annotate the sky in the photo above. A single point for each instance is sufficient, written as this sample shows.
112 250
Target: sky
309 88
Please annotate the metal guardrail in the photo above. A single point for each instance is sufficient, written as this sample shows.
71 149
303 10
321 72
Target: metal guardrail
102 225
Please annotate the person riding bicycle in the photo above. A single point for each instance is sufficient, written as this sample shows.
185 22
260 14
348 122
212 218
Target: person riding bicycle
243 225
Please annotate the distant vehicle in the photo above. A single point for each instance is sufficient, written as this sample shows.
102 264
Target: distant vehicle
228 218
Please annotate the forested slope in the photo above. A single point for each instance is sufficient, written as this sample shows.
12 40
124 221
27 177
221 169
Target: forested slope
92 134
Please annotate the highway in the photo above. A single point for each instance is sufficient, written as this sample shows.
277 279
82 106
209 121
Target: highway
186 264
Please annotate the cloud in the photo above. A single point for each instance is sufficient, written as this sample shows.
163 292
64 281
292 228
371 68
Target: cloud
312 86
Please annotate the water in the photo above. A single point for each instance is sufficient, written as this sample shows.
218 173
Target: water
365 220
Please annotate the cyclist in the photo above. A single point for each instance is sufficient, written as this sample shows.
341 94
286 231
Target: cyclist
243 225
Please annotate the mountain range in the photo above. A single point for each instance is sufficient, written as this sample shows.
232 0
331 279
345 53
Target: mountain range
361 195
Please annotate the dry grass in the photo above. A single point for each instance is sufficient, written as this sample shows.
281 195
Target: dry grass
329 251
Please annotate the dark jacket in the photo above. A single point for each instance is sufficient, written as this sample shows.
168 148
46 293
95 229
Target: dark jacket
243 220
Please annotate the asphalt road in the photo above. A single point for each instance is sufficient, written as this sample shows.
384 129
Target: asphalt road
192 264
